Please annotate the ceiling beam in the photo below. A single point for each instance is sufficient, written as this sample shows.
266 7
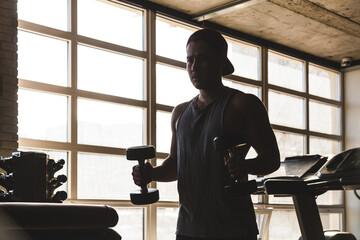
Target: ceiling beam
224 9
320 14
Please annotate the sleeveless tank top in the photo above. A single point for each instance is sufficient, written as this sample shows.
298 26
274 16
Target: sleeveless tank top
205 210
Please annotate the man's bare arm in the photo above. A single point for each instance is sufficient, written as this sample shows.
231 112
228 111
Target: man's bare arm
168 170
251 118
261 137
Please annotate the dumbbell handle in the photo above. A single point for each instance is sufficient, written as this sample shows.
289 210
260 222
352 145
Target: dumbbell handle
142 167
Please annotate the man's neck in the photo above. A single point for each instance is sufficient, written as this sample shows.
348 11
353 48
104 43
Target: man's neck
206 96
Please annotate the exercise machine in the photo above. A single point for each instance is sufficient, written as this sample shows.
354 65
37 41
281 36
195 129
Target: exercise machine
306 177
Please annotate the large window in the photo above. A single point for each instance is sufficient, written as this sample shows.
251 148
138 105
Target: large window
92 86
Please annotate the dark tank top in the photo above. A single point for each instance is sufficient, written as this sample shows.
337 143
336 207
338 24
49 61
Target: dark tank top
205 210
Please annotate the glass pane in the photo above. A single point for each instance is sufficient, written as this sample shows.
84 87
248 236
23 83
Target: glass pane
168 190
280 200
42 116
173 86
324 146
286 110
131 223
290 144
330 198
109 124
111 22
243 87
48 13
286 72
284 225
331 221
105 177
163 131
171 39
324 83
166 223
245 59
324 118
56 155
110 73
42 59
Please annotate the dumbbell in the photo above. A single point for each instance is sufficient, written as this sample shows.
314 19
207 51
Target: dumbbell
144 195
241 186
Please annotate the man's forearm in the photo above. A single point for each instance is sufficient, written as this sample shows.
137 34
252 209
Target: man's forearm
265 163
166 172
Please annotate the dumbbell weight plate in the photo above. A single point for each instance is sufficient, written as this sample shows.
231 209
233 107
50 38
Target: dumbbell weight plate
139 198
140 152
241 189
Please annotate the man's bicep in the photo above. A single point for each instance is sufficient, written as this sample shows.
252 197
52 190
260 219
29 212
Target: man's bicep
258 130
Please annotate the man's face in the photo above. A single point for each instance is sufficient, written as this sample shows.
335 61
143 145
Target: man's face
204 66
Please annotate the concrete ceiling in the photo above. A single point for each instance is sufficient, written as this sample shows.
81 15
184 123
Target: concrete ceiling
325 28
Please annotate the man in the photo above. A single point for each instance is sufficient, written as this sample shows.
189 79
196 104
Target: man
205 211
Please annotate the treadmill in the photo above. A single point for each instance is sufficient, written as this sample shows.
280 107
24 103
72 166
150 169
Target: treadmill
304 178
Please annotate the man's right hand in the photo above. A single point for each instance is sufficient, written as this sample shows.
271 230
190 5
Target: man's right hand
142 176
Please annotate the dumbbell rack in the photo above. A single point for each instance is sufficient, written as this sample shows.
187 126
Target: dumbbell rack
29 177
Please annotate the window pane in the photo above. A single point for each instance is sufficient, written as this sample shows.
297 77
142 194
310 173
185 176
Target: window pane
166 223
286 72
324 83
171 39
105 177
281 229
286 110
245 59
48 13
280 200
110 73
330 198
111 22
331 221
173 86
42 116
109 124
324 118
168 190
163 132
42 59
324 146
131 223
290 144
243 87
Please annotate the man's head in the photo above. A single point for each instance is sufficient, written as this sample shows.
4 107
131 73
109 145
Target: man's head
217 42
207 59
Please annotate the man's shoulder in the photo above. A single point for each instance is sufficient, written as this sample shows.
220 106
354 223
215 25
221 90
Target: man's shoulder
177 111
180 107
244 100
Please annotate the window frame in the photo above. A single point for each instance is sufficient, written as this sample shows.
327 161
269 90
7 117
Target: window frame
149 103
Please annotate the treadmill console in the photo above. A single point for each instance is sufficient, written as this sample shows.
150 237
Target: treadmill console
343 165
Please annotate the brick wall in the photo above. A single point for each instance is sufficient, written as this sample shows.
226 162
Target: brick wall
8 77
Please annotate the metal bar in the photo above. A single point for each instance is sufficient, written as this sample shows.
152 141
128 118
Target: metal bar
171 62
73 98
71 147
43 30
44 87
150 33
164 108
306 132
308 217
307 110
111 47
225 8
